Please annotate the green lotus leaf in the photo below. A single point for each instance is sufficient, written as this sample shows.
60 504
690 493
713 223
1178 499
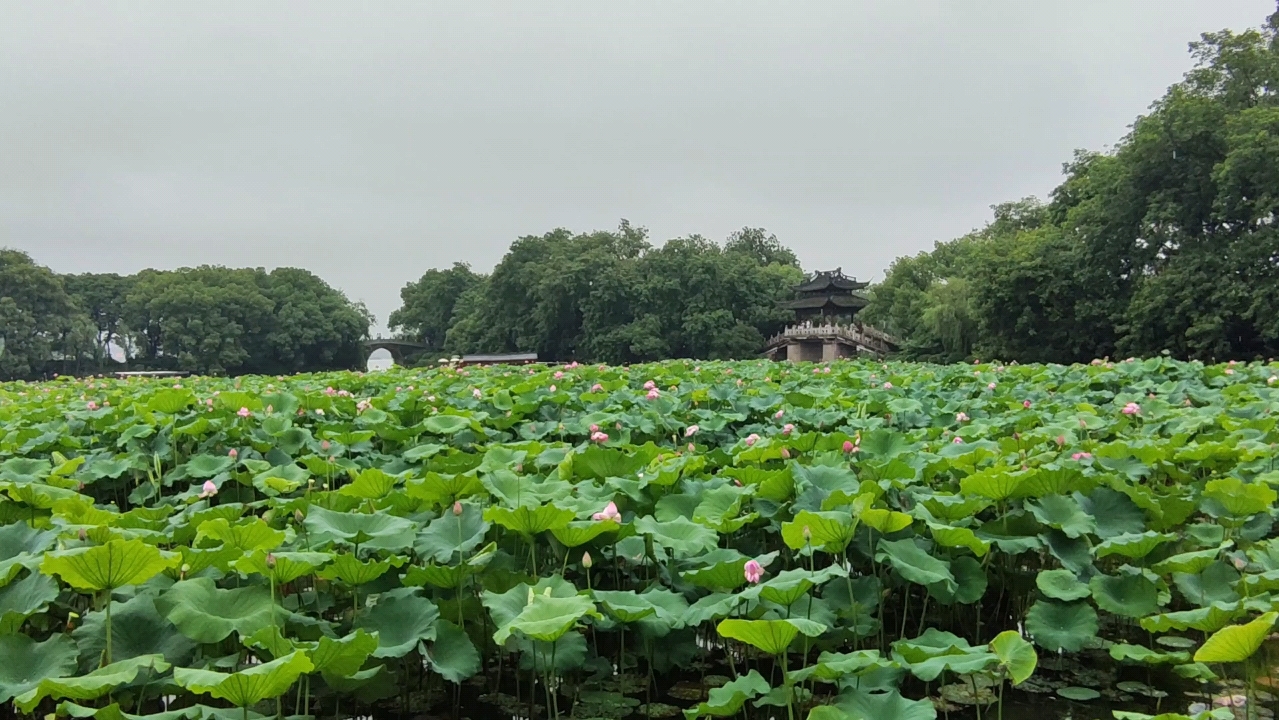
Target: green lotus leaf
996 483
1239 499
370 484
1130 595
681 536
1143 655
284 567
580 532
1236 643
885 521
711 607
137 629
208 614
247 687
728 574
92 685
1064 513
728 699
440 576
788 586
719 508
546 618
401 619
1215 583
352 571
446 424
452 533
625 605
245 535
438 489
1017 658
25 662
1061 585
380 531
196 560
948 536
970 583
1192 563
834 667
22 546
112 711
1112 512
529 520
1061 626
22 599
1079 694
953 508
916 565
1205 619
933 643
207 466
343 656
106 567
280 479
453 655
770 636
1132 545
830 531
270 640
862 705
974 660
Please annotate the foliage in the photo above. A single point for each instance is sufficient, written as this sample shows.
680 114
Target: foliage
371 528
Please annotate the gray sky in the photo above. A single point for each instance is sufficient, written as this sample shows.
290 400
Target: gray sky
369 142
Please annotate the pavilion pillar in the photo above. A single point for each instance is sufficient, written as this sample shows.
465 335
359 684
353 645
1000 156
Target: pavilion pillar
794 352
830 351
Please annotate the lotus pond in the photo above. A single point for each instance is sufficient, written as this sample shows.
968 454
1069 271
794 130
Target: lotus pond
848 541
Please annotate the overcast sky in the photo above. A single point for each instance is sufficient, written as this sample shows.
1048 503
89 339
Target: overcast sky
369 142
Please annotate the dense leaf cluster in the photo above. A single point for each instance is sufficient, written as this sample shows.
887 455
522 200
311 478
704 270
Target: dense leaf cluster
207 319
843 536
608 296
1165 243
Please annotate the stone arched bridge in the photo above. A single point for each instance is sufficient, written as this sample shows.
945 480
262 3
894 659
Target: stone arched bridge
399 349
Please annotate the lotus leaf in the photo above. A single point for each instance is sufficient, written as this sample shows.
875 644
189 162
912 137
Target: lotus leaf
769 636
1061 626
453 655
1236 643
106 567
381 531
207 614
727 700
90 685
401 619
1061 585
1017 658
916 565
24 663
246 687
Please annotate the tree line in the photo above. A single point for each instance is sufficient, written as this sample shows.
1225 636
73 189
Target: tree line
1166 243
608 296
207 319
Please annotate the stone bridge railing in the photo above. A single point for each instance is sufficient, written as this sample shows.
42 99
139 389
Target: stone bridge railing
868 337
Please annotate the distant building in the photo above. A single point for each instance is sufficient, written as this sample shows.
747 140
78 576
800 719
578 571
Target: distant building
826 325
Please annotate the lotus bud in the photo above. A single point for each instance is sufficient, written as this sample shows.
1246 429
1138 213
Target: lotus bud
586 560
298 517
324 445
785 454
270 561
457 507
692 447
268 516
848 446
808 534
83 535
531 595
1061 440
233 453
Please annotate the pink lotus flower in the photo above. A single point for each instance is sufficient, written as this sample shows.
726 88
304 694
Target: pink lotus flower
324 445
319 411
751 439
650 385
477 394
551 388
457 507
558 375
753 571
594 428
691 430
597 388
827 371
599 437
243 412
363 405
1131 408
653 394
608 514
92 405
1230 371
778 415
958 440
785 454
787 429
888 386
849 446
991 386
961 417
233 453
1081 456
208 490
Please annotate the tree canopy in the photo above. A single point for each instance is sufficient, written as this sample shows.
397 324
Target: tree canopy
206 319
1167 243
608 296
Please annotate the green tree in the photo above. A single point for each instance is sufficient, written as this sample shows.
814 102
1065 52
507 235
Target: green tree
428 304
43 330
102 297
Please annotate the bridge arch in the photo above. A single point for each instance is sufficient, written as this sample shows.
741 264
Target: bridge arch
398 349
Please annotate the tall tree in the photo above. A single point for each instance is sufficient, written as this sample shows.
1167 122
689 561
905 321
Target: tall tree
428 304
42 329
